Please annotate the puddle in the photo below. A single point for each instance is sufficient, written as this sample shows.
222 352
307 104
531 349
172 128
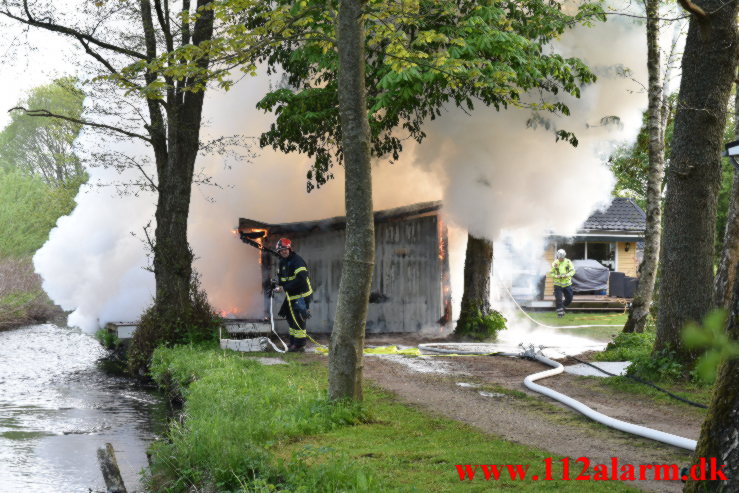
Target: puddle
467 385
491 394
422 364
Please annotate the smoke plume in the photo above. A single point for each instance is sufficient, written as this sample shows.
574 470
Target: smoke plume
493 173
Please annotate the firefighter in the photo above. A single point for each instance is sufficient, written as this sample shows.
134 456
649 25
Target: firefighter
294 281
562 272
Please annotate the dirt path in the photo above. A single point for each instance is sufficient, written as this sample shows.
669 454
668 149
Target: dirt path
508 410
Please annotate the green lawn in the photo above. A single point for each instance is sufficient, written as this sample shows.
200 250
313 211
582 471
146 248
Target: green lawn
583 318
250 427
697 393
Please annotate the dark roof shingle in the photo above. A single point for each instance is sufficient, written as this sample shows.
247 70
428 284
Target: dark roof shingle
622 215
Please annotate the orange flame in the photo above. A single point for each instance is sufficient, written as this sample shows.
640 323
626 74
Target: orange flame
233 311
442 243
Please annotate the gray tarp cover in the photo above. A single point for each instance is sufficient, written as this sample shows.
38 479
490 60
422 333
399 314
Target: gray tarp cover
590 275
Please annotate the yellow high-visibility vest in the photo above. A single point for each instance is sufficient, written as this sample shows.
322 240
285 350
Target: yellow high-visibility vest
562 272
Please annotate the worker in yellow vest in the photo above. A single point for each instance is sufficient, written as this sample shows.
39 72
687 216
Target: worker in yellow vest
562 272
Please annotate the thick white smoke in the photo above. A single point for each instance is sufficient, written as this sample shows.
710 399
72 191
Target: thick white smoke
492 172
502 179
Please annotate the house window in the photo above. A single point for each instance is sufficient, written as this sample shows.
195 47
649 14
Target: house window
605 253
575 251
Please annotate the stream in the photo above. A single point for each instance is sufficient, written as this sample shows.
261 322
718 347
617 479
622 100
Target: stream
58 406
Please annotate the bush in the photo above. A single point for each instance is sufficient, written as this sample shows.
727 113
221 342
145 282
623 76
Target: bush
480 327
714 341
22 301
663 366
628 347
107 338
199 324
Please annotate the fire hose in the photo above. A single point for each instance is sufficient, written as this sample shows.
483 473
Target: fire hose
272 323
557 368
578 406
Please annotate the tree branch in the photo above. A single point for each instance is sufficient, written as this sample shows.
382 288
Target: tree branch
693 8
138 166
185 28
164 23
105 62
68 31
48 114
156 129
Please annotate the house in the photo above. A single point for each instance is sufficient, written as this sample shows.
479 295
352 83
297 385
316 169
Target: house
410 286
614 237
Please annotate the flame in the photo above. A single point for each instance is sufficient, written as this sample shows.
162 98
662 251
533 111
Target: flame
442 242
261 241
233 311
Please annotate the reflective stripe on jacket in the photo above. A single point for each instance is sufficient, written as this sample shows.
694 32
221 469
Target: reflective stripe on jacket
293 274
562 272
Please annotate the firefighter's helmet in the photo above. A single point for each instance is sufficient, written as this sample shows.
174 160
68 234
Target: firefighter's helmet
284 244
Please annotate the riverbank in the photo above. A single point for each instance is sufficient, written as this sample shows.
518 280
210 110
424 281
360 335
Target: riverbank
252 424
22 299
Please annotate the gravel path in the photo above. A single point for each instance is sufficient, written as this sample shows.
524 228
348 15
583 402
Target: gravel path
508 410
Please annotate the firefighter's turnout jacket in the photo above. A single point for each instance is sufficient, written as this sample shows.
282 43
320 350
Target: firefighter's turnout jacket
562 272
293 277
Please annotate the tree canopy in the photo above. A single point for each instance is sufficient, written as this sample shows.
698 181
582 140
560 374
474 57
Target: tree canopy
43 147
422 56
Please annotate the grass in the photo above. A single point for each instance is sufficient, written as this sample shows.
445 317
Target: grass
662 371
628 347
691 391
249 427
584 318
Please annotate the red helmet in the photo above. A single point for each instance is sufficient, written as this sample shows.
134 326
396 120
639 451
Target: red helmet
284 244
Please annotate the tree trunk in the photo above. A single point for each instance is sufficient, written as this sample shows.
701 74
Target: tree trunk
686 259
478 265
648 269
174 314
720 432
730 254
347 338
172 255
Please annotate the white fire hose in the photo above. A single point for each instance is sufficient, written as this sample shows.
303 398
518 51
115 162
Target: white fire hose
578 406
642 431
272 322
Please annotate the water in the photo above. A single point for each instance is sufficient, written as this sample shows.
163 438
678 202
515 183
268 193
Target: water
57 407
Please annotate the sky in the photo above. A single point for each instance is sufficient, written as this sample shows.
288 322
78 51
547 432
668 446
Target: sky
29 59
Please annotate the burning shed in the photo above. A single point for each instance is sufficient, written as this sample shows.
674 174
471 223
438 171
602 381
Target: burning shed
410 285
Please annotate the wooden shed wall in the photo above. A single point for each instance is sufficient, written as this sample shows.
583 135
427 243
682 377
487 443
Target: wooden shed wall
408 282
